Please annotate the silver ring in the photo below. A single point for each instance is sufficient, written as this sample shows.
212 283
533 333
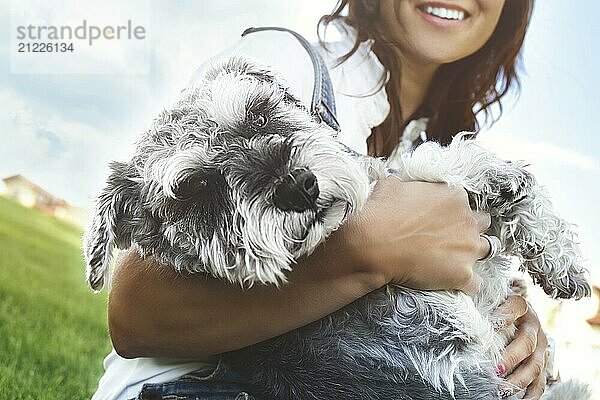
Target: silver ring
495 246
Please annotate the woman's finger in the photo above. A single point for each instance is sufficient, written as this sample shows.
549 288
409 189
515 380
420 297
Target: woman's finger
536 389
523 345
508 312
536 366
473 286
528 373
484 221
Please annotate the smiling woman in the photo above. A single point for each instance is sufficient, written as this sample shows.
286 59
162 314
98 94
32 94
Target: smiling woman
448 70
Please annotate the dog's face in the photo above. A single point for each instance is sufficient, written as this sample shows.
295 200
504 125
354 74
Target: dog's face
237 180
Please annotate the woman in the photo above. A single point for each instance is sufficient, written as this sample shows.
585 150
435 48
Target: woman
447 61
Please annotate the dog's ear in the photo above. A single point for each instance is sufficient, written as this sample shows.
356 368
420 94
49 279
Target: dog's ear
240 65
114 206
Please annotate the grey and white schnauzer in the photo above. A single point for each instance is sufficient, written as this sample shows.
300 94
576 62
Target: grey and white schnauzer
238 180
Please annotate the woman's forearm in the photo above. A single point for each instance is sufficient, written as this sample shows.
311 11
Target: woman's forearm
420 235
154 311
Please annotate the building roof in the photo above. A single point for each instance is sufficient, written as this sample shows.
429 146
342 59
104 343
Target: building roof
23 180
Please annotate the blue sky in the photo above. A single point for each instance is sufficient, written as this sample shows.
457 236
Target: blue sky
62 129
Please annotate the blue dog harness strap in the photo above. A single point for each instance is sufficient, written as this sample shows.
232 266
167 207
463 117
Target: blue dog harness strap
323 100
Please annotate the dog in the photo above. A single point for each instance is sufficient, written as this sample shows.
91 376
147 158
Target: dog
238 180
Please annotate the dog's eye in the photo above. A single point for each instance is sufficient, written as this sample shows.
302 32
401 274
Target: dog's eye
190 187
256 120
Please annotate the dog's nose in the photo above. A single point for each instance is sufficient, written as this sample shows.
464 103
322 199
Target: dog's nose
298 191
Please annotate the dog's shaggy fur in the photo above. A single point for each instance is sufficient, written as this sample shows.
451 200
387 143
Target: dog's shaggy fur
201 193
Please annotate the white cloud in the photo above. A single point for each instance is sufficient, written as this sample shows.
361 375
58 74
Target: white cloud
536 152
75 170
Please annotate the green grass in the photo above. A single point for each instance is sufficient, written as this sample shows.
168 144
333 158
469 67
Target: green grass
53 332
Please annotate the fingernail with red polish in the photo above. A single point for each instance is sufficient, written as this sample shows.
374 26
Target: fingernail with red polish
500 370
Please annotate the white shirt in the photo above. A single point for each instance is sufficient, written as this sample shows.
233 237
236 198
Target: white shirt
361 103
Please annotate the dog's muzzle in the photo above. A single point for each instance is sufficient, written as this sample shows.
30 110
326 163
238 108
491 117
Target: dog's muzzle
298 191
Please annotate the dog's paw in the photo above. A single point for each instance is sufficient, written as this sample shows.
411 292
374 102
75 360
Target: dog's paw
560 279
506 187
548 248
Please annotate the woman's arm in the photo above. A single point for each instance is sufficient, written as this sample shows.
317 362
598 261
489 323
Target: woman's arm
154 311
420 235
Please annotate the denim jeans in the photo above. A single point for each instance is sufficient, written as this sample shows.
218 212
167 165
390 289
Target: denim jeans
220 384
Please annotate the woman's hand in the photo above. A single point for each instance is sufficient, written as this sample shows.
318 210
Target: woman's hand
420 235
524 358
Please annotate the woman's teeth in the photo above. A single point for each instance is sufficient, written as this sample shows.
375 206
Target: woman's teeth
445 13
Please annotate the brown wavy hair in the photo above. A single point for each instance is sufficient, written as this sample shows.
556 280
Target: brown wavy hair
459 90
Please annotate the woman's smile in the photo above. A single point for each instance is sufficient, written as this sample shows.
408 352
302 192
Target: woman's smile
439 32
443 14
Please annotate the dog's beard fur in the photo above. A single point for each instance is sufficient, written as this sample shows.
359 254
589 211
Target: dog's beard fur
198 196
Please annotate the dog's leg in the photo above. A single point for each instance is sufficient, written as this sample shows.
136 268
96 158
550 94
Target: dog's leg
528 226
546 244
522 214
